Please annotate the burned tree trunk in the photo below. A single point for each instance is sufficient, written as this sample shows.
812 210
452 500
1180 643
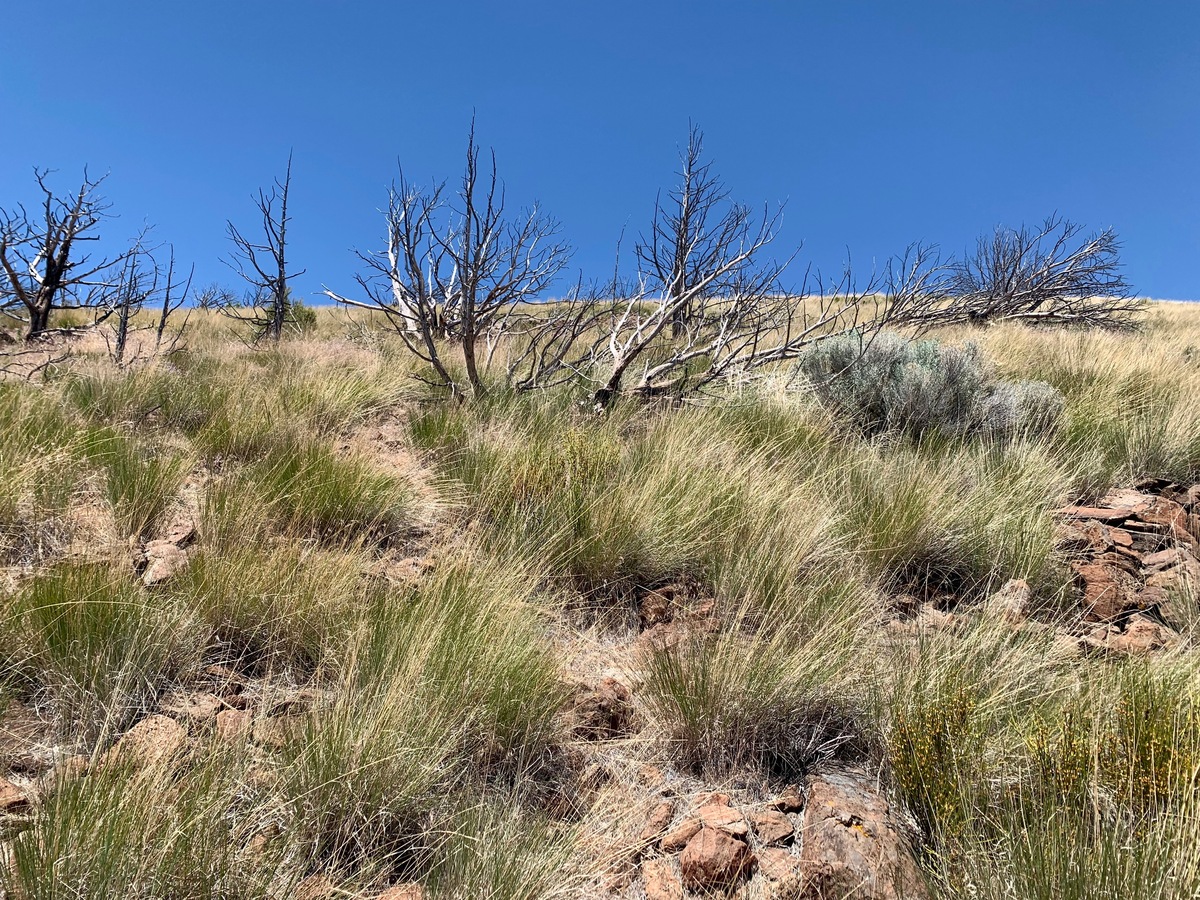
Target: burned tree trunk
41 267
457 272
263 264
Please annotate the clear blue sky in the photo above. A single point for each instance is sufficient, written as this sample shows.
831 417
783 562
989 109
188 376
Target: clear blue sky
879 122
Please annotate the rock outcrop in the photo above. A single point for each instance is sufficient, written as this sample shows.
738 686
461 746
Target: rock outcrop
839 837
154 741
853 844
1134 550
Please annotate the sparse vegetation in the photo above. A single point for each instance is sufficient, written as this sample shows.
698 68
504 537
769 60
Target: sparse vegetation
397 610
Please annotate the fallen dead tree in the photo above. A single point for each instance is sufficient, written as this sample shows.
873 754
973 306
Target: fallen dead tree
1054 274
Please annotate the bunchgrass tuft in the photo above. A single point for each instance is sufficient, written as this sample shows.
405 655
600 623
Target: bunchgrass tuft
110 834
90 644
140 482
779 701
442 691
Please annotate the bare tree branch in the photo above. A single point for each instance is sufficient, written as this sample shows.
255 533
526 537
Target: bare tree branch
458 270
1050 275
41 266
263 264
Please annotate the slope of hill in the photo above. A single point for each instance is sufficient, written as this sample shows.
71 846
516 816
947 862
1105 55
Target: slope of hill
282 623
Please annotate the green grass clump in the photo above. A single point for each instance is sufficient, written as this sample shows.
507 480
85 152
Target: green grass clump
750 703
1053 854
958 524
499 850
39 474
88 641
112 835
443 691
140 482
266 608
309 491
306 491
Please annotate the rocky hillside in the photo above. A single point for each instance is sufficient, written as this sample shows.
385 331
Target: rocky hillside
286 623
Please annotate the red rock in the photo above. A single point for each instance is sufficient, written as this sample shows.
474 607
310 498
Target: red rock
852 845
790 800
233 724
661 881
1162 559
778 864
724 818
1099 513
1120 538
1141 635
714 859
164 560
156 740
654 609
656 823
682 833
1181 578
772 827
1108 591
12 798
604 711
1011 603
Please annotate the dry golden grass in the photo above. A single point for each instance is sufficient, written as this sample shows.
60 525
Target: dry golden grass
403 594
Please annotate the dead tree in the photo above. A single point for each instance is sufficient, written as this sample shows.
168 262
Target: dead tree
458 270
686 256
754 327
263 263
139 280
548 344
145 282
215 297
706 308
705 299
41 263
1051 275
398 283
174 296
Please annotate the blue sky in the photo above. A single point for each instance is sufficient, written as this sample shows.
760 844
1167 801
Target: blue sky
879 123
